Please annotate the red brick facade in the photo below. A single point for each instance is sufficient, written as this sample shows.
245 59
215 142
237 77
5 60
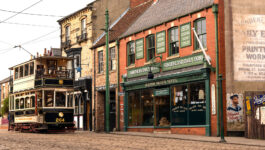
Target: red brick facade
210 30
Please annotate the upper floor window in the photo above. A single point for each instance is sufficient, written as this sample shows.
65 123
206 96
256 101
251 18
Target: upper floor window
173 41
21 70
67 33
200 28
130 53
26 69
112 59
83 26
100 62
16 73
77 61
31 68
150 46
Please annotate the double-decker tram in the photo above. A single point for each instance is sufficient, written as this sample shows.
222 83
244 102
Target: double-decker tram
39 99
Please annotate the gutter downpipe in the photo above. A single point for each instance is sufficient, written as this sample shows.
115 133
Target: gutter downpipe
215 11
118 84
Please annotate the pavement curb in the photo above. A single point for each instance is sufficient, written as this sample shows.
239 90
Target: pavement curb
208 141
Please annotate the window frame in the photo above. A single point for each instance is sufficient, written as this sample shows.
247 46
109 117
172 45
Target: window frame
129 54
196 43
100 62
83 26
67 33
172 42
150 48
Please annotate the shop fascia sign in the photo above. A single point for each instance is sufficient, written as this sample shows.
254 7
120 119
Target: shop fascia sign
168 65
161 92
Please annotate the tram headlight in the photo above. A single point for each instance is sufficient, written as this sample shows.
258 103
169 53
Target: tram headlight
60 114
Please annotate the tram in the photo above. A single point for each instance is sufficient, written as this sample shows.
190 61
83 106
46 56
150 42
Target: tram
39 98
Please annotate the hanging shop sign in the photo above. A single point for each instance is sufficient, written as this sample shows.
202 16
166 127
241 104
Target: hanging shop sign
185 35
140 71
259 99
161 92
182 62
139 47
161 42
249 47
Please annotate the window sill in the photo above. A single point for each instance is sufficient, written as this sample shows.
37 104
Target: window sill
112 71
131 66
198 51
149 62
173 56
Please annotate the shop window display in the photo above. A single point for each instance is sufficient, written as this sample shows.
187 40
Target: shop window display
162 113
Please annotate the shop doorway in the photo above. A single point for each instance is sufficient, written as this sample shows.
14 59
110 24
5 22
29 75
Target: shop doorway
161 111
112 110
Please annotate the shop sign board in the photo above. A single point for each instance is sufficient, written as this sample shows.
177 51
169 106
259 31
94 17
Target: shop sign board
140 71
161 42
182 62
185 35
249 47
139 47
161 92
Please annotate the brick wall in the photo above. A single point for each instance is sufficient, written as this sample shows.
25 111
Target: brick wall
135 3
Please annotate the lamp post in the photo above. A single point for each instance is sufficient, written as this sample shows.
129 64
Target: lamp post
107 109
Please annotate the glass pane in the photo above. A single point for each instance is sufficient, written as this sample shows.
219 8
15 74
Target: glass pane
26 69
162 107
21 71
197 104
16 73
147 108
204 26
134 108
17 103
21 103
32 101
70 100
60 99
179 105
27 102
49 98
204 41
31 68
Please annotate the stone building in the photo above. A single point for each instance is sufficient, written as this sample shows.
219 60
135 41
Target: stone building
4 89
168 84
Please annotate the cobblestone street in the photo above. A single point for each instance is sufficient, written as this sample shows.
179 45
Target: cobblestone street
94 141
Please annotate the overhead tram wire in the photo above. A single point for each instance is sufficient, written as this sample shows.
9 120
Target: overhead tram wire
20 11
33 25
25 43
43 15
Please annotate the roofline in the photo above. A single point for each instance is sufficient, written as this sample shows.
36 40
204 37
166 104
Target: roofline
165 22
72 14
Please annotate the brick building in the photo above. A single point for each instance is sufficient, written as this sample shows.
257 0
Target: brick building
4 89
168 84
99 48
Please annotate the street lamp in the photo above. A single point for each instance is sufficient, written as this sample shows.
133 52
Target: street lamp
150 74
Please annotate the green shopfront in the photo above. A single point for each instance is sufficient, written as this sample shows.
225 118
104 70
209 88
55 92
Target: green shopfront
177 100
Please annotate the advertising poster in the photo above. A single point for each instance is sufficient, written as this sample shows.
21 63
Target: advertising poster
234 109
249 47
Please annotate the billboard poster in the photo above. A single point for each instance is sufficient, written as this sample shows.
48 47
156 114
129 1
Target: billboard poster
249 47
234 112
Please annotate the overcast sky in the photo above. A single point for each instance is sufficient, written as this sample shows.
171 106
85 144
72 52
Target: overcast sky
13 34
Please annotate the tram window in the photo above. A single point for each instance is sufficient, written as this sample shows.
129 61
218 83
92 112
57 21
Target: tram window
17 103
81 108
48 100
60 99
31 68
26 69
76 103
39 99
21 68
16 73
70 100
32 101
21 103
27 102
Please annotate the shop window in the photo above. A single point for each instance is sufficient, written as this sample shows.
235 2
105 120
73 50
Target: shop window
16 73
27 102
150 46
112 59
21 71
32 98
21 103
130 53
26 69
200 28
173 41
147 107
100 62
31 68
188 104
60 99
17 103
48 98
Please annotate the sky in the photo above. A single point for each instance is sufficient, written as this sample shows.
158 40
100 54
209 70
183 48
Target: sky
32 32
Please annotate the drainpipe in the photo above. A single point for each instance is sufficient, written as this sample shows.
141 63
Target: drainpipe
118 84
215 11
94 94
